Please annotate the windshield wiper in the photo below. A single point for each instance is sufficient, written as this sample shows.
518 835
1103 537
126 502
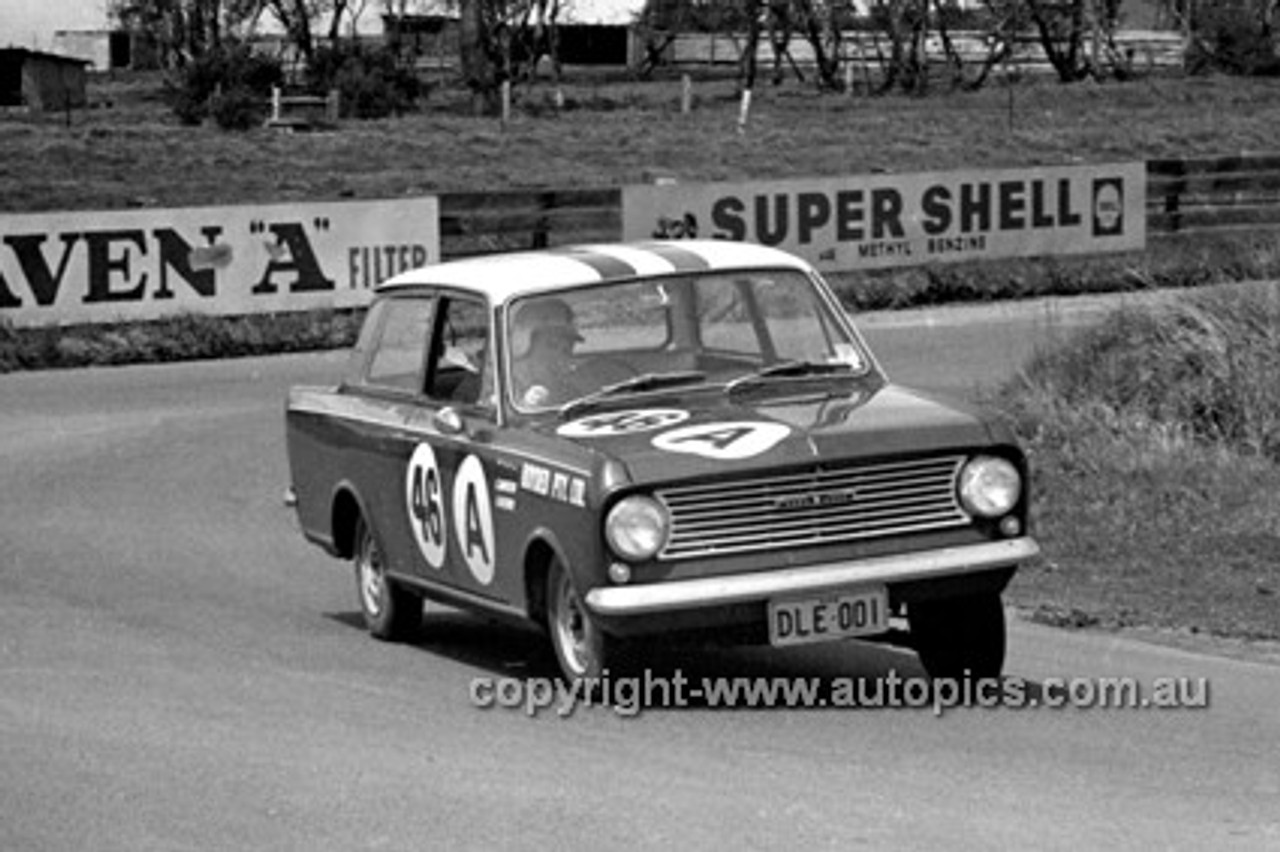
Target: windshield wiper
635 384
790 370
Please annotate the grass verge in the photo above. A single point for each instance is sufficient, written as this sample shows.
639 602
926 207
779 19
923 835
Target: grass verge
1155 444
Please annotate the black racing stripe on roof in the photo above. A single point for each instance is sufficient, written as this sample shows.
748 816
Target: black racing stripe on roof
607 266
682 259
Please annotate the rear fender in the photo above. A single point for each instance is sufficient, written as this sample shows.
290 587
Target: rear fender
347 509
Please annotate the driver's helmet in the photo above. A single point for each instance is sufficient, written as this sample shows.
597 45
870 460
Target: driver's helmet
541 316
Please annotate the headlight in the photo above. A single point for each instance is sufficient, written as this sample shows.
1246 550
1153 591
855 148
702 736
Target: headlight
636 528
989 486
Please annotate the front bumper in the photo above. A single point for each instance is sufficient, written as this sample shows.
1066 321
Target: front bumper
761 585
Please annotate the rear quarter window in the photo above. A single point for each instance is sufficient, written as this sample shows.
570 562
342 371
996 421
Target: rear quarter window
399 346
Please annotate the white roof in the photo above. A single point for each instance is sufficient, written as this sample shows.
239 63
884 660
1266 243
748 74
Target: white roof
600 11
506 276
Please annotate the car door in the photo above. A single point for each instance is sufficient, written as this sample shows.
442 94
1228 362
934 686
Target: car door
452 480
390 427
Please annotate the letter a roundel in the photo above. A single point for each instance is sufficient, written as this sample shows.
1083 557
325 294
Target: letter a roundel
473 519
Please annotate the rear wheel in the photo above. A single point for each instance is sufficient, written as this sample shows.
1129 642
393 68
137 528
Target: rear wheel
960 637
390 611
582 649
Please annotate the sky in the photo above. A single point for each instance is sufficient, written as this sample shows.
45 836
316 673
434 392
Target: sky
32 23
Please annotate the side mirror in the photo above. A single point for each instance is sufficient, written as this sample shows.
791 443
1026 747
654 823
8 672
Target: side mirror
447 420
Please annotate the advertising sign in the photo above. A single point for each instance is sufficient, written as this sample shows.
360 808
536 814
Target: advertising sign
82 267
881 221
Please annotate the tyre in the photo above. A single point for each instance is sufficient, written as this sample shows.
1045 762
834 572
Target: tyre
582 649
390 611
959 637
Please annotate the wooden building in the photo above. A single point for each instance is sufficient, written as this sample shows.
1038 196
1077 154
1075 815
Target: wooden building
42 81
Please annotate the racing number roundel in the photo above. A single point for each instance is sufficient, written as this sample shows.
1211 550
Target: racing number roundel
473 519
622 422
426 506
733 440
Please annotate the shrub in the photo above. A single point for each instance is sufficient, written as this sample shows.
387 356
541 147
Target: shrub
239 108
229 84
179 338
1234 36
1199 369
371 82
1180 262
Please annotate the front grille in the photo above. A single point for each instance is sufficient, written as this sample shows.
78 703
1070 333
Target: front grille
815 506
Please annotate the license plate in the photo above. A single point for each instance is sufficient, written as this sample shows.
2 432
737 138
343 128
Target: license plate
823 618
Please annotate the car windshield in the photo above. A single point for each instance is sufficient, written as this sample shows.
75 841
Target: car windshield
675 333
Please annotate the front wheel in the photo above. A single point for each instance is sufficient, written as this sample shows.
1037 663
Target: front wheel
959 637
582 649
390 611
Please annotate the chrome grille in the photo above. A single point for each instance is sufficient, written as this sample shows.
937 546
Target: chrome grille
822 505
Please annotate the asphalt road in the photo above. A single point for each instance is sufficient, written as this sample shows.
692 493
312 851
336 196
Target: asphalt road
179 670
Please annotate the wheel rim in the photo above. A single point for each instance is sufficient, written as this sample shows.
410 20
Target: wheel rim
575 635
373 587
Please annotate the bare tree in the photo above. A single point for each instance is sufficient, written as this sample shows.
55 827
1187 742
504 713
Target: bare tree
183 30
657 26
478 57
823 23
1235 36
295 18
914 42
1005 23
781 23
343 11
661 22
1008 20
534 28
905 26
503 41
752 14
299 20
1061 26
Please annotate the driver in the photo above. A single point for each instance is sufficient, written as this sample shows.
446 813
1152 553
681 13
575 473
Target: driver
543 337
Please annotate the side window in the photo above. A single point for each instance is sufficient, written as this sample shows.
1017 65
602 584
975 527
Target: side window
461 369
365 342
400 350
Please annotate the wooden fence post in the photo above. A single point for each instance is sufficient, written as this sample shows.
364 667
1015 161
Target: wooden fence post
1173 199
542 226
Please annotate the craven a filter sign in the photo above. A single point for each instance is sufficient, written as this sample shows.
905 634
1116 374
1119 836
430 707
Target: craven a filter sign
142 264
879 221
